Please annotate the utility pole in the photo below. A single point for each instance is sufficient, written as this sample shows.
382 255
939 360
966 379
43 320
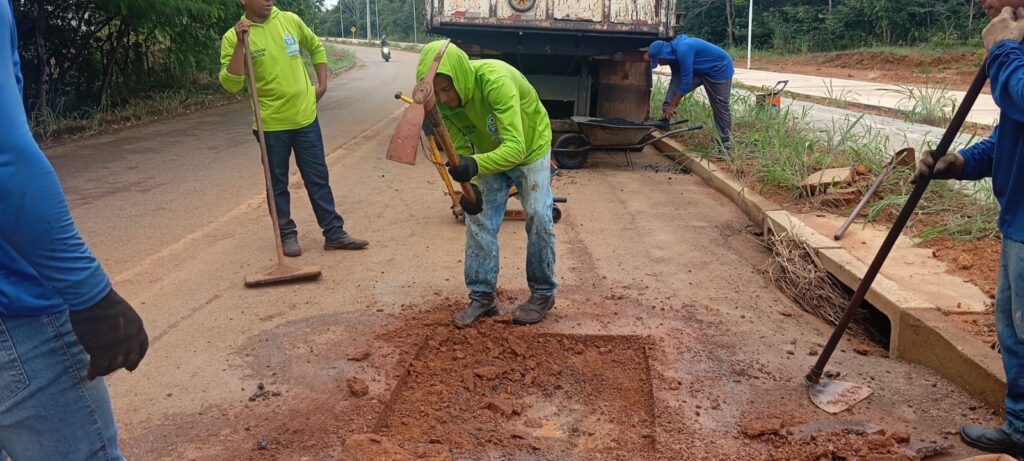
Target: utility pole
341 12
376 13
368 20
414 39
750 30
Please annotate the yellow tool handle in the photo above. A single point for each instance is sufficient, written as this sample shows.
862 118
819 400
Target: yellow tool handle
435 155
434 117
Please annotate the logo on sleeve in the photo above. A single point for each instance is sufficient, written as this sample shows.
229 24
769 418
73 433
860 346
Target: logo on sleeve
492 127
291 44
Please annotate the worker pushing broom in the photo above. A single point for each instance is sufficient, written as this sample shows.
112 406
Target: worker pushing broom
502 133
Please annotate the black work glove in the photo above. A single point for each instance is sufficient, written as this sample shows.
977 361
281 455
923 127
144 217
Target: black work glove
472 208
465 171
950 166
112 333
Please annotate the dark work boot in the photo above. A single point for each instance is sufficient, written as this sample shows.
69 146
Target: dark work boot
479 306
346 242
992 440
291 246
534 310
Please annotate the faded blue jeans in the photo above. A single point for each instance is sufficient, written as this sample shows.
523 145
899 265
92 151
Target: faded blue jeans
48 409
1010 330
534 184
308 144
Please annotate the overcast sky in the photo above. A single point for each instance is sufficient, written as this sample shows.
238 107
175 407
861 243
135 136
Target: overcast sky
330 3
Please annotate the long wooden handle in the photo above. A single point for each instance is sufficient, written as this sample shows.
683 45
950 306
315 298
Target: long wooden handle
263 145
952 130
434 118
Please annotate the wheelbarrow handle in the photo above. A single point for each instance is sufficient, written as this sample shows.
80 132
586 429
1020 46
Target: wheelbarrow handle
779 86
669 133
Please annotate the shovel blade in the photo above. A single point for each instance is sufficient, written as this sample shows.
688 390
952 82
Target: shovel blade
836 396
404 142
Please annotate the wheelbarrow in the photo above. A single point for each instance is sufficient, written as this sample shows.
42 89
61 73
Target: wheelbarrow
773 98
572 150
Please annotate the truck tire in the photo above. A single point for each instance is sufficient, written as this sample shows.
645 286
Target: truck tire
571 160
522 6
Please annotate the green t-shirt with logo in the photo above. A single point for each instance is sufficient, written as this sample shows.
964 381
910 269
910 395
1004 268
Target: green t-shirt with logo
287 96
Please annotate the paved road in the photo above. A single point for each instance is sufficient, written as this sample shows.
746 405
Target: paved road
139 191
176 212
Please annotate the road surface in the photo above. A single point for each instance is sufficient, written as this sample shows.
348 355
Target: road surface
667 339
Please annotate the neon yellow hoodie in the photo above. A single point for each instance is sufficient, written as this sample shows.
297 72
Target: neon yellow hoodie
501 121
287 96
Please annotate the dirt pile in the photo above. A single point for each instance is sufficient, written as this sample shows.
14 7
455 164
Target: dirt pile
829 440
502 390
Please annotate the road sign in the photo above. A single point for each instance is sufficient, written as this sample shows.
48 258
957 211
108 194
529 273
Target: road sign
353 29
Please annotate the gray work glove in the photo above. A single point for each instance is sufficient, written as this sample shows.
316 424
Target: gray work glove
950 166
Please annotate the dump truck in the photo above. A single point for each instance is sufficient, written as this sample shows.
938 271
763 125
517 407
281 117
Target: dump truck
584 56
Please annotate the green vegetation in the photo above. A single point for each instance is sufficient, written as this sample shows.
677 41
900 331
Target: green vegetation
799 26
395 17
928 105
92 64
337 59
775 150
837 98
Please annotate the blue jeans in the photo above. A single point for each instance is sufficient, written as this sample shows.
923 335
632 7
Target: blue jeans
308 144
534 184
1010 330
48 409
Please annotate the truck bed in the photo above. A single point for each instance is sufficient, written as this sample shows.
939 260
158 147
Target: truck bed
638 18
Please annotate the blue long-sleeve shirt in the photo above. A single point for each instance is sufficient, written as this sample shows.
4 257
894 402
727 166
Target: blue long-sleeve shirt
1001 155
45 266
687 56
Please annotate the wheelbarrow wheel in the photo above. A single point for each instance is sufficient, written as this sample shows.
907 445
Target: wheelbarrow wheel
556 213
571 160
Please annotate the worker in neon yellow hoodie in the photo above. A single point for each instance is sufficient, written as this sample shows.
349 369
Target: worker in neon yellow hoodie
288 106
503 135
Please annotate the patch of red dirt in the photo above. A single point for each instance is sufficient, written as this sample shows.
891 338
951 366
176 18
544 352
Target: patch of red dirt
975 261
953 70
496 389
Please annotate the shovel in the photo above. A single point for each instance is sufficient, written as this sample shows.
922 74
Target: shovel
280 272
906 152
836 396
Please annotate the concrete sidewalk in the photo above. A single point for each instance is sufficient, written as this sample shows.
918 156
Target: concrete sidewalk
985 112
883 95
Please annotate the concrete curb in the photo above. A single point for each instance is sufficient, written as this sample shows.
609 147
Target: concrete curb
920 333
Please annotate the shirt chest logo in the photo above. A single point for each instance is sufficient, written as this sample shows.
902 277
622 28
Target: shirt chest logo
291 44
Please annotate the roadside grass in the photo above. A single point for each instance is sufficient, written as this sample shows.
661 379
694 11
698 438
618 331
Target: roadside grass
337 59
775 150
929 105
205 92
837 98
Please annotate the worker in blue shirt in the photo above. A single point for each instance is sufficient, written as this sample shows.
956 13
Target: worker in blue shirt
62 326
1001 157
696 63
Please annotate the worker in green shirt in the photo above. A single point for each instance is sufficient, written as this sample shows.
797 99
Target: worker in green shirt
288 105
501 130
